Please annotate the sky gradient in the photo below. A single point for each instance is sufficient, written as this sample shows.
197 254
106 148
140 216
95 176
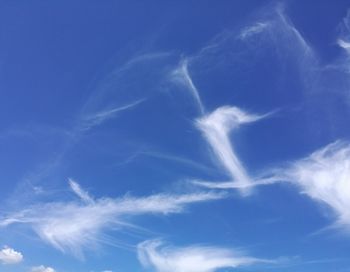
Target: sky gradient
174 136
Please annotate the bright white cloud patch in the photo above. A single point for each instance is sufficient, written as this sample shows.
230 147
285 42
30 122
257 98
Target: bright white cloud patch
162 258
216 127
344 44
325 177
10 256
42 268
75 225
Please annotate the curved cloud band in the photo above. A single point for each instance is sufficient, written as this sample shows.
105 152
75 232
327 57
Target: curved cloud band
216 127
162 258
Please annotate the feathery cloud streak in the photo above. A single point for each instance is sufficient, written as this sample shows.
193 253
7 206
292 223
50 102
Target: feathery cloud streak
274 28
96 119
83 195
216 127
182 76
155 254
76 225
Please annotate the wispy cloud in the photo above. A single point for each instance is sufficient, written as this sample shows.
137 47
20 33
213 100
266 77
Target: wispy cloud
182 76
178 159
10 256
216 128
42 268
239 186
273 27
93 120
84 195
344 44
343 41
289 28
163 258
77 225
253 29
103 104
324 176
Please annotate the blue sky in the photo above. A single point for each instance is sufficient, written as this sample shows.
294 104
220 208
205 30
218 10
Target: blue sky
174 136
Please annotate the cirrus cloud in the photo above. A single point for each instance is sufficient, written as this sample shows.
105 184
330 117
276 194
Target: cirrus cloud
153 253
216 127
77 225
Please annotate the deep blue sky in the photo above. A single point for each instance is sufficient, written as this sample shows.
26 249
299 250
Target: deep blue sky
158 135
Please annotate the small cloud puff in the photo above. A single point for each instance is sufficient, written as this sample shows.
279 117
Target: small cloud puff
10 256
42 268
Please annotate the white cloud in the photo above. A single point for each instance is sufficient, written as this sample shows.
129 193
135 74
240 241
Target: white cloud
253 29
84 195
344 62
216 127
239 186
345 33
273 27
96 119
285 25
182 76
155 254
325 177
76 225
42 268
10 256
178 159
344 44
